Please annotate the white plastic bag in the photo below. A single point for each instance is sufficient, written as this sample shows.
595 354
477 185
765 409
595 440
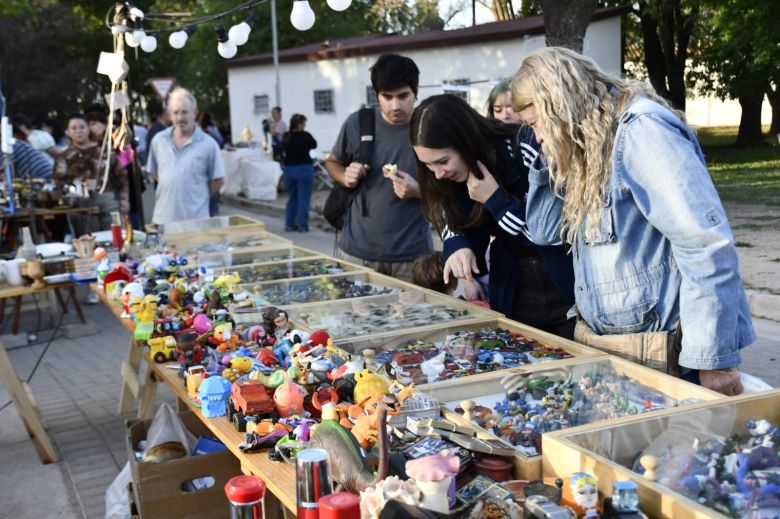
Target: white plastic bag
752 384
167 427
117 502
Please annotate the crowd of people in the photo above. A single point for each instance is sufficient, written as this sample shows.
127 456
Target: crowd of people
547 206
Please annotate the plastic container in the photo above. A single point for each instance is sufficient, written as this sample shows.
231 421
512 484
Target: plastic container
494 467
246 494
341 505
27 250
116 230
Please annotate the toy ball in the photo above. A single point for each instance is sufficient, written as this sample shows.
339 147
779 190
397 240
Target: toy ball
201 323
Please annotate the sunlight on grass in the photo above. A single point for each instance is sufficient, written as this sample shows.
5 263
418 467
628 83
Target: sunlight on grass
746 175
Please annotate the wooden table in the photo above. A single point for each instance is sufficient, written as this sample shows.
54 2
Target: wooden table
279 477
35 214
16 292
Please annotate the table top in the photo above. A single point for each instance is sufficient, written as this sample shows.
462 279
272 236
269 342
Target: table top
279 477
7 291
26 212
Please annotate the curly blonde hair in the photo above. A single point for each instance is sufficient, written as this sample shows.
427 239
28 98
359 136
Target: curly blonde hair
578 106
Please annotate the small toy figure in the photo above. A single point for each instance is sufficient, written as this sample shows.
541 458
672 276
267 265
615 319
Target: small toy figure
369 385
625 497
131 290
101 257
580 493
288 398
213 393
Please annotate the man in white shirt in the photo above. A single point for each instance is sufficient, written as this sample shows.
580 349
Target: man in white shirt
186 163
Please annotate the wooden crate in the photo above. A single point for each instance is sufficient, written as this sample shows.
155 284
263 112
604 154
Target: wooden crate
313 266
290 291
200 245
607 450
250 255
487 390
349 318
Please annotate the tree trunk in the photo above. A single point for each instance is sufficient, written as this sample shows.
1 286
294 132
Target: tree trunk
565 22
654 54
774 100
750 122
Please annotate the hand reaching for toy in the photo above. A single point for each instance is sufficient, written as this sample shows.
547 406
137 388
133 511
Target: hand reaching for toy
461 264
481 190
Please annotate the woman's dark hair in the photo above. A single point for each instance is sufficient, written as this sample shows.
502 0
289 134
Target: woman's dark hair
447 121
296 124
393 71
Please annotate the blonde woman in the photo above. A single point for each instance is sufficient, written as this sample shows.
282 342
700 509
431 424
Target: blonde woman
622 180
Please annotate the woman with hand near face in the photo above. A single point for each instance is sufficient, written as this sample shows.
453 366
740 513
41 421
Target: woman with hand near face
473 186
625 185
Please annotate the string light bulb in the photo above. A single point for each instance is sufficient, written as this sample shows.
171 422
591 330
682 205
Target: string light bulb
149 43
302 17
134 29
226 48
178 39
339 5
239 33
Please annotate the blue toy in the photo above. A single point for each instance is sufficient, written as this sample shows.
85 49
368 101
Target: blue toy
213 393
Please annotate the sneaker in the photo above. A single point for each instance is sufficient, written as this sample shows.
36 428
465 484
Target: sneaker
290 229
92 299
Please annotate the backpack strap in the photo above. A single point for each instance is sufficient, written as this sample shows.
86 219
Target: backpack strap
366 150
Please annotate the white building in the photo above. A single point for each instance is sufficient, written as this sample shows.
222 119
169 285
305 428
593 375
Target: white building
326 81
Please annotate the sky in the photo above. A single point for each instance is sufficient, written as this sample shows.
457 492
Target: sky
463 18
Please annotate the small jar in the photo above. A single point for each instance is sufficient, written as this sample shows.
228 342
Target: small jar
341 505
246 494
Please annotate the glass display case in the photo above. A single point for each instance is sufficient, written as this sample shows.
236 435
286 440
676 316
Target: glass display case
715 459
246 256
200 246
384 314
290 269
459 350
521 405
215 223
325 288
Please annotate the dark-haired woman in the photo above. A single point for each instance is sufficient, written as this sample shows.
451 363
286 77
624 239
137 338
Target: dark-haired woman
473 186
298 174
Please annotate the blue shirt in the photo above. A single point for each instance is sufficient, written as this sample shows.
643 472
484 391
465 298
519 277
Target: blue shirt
29 161
663 253
183 175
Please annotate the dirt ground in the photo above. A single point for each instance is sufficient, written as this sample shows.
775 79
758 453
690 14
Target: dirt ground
757 235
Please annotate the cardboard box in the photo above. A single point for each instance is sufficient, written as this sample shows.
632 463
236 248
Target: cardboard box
158 486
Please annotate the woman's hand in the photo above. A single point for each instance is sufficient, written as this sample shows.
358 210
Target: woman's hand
481 190
461 264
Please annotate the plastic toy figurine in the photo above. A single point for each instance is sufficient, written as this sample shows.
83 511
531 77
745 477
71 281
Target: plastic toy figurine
433 475
625 497
195 375
213 393
189 352
288 398
237 367
224 338
282 349
101 269
368 385
162 349
131 291
580 493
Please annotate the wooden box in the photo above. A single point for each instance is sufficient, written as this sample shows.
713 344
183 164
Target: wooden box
158 486
215 227
250 255
487 390
384 315
196 245
289 269
609 450
329 287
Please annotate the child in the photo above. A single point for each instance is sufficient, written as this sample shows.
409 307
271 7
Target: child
428 272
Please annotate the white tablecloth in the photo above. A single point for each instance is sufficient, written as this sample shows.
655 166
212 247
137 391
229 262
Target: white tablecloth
249 171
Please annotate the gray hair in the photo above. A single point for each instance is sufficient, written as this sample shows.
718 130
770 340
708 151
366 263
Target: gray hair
183 92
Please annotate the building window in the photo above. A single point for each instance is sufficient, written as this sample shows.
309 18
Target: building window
370 97
323 101
261 105
457 87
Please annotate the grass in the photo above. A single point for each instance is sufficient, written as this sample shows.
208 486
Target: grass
743 175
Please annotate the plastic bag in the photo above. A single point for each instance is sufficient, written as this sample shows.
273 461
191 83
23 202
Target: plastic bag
752 384
167 427
117 501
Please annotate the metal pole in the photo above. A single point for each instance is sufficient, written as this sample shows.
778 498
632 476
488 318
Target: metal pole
275 39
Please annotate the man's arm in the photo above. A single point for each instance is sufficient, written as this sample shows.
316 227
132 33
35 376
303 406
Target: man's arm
215 185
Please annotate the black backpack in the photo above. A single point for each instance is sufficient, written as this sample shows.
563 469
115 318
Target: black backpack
340 198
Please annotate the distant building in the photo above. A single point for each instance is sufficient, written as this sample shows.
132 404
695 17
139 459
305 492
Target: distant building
326 81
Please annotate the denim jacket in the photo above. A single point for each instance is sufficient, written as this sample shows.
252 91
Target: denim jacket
663 253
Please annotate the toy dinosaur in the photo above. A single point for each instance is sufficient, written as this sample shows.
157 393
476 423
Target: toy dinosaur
348 465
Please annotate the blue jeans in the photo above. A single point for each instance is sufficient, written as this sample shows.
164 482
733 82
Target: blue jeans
299 180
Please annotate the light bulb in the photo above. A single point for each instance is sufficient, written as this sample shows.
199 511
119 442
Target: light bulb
227 49
339 5
302 17
239 34
130 39
138 36
149 43
136 13
178 39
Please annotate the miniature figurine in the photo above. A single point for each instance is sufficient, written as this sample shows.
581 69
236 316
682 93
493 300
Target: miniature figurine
129 292
580 493
288 398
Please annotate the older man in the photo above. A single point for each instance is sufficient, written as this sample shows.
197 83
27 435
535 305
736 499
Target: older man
185 162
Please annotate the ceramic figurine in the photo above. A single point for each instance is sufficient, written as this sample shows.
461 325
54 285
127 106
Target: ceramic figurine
433 475
288 398
580 493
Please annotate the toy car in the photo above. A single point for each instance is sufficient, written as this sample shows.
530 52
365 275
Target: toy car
162 349
248 398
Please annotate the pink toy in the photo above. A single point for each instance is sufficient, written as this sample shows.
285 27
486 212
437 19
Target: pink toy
202 324
288 398
433 468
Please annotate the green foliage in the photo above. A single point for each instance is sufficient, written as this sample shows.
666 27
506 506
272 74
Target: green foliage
403 17
746 175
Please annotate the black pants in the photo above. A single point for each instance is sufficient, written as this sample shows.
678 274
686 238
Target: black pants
537 301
